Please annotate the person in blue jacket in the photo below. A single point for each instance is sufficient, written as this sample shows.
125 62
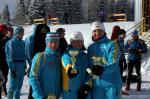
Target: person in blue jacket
16 59
104 57
45 73
35 43
74 63
135 48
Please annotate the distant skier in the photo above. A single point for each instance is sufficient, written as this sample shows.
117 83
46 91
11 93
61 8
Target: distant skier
135 48
16 59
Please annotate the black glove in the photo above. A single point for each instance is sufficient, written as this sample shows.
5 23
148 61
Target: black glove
45 98
70 74
97 70
83 91
13 74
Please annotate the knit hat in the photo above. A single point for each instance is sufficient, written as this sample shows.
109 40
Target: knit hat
18 29
76 36
3 27
97 25
135 33
121 31
60 30
52 37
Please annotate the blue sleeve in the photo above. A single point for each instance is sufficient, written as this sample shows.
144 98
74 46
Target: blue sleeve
66 61
33 79
144 47
9 57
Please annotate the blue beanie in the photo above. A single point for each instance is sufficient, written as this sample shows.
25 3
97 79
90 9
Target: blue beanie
135 33
52 37
18 29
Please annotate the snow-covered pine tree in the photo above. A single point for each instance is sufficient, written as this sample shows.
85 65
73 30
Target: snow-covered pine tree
36 10
76 11
21 12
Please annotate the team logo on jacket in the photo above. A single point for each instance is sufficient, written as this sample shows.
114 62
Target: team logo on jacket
51 63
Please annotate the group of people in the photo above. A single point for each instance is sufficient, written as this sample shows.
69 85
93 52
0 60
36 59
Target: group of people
58 69
135 47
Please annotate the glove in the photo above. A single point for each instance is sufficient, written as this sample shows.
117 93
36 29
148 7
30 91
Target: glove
97 70
71 74
83 91
13 74
45 98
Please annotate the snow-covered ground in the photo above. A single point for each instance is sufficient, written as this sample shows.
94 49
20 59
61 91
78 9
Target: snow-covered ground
85 29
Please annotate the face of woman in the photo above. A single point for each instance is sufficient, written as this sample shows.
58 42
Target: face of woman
53 45
97 34
77 44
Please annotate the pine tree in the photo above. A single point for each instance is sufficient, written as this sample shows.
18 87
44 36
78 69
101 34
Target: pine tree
20 17
36 10
77 12
6 15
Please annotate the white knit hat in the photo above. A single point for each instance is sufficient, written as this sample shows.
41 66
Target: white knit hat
76 36
97 25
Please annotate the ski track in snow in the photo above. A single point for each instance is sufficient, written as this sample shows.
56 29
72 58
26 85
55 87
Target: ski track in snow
85 29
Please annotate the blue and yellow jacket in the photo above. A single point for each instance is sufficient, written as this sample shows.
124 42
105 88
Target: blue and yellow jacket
108 54
135 44
15 54
81 64
45 74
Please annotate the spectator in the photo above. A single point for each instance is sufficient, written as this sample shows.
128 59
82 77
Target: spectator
135 48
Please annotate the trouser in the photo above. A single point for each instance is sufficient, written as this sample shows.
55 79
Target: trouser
5 73
131 65
106 93
30 93
15 85
122 65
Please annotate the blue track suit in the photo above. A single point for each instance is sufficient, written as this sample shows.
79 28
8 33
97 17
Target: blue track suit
15 56
135 44
45 74
109 84
71 85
